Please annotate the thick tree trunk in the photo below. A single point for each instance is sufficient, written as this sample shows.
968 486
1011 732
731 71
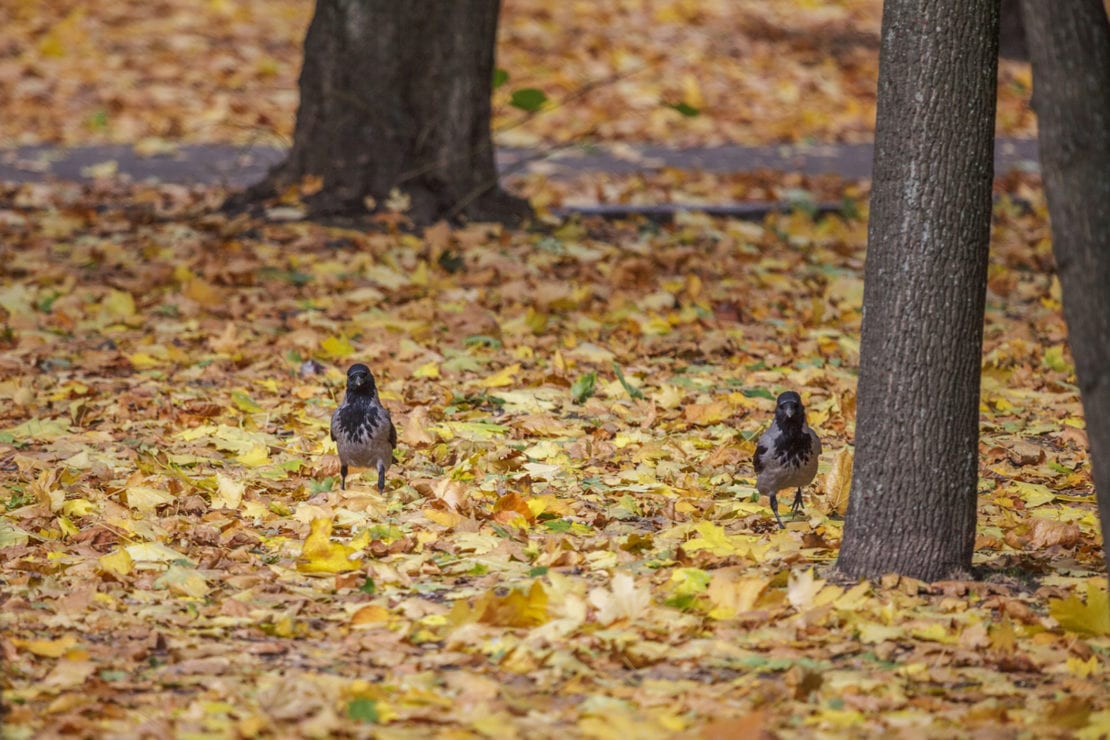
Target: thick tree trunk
396 96
912 506
1070 47
1011 32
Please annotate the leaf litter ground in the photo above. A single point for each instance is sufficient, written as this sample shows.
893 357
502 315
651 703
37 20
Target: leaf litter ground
152 74
570 540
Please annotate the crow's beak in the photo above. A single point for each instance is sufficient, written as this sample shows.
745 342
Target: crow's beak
789 409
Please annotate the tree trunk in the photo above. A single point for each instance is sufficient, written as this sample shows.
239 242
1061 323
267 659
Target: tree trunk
912 505
1011 32
396 96
1070 47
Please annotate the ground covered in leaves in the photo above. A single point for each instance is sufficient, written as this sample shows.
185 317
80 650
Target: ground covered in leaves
156 73
570 541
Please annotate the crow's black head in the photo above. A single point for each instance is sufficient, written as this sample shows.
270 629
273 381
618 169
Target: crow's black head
359 381
789 411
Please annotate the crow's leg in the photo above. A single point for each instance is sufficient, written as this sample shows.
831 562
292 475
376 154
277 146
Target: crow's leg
775 508
796 508
381 477
343 477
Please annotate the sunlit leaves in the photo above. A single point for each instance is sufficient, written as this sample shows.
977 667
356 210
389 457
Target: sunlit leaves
320 554
175 486
1087 617
337 348
517 608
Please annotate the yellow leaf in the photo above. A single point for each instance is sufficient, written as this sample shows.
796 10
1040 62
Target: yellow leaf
514 609
202 292
146 498
1054 358
1034 494
623 600
183 581
321 555
1002 636
48 490
1083 668
502 377
370 614
838 482
1090 618
153 552
229 492
933 632
733 594
118 563
443 518
691 91
46 430
257 455
78 507
416 432
872 633
107 168
1098 726
337 348
669 396
420 274
47 648
550 504
545 425
11 535
67 527
117 306
144 361
427 370
706 414
802 589
714 539
245 403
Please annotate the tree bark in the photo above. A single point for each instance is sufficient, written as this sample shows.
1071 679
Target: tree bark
912 506
395 96
1011 32
1069 44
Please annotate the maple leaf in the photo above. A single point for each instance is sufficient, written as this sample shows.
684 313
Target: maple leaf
1089 618
622 600
229 492
714 539
321 555
732 593
802 589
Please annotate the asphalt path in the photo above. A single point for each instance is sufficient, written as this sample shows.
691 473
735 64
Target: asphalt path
220 164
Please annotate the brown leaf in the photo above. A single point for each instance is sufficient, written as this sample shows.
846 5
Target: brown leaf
752 726
838 482
1048 533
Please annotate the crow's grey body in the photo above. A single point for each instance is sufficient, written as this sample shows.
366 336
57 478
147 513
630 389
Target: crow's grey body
786 455
362 429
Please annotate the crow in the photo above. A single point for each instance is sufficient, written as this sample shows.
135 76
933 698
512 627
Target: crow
361 427
786 455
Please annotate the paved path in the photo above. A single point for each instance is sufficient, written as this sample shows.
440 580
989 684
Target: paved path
240 166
